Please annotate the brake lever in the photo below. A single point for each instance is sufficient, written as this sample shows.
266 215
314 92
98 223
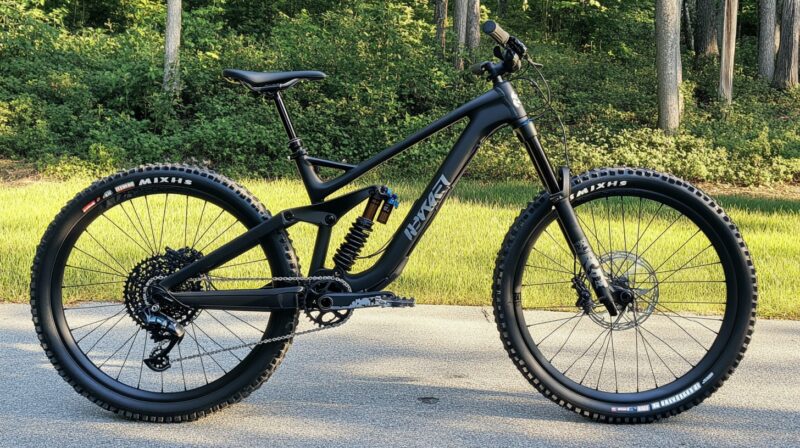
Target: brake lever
517 46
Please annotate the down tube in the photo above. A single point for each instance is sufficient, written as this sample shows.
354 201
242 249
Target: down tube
391 263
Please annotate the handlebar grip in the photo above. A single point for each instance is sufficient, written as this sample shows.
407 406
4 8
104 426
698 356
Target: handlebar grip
500 35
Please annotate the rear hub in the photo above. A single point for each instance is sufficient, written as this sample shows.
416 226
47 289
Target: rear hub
141 288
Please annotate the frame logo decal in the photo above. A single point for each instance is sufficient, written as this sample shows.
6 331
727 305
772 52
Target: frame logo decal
440 188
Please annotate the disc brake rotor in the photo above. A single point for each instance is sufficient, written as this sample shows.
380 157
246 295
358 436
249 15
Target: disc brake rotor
633 274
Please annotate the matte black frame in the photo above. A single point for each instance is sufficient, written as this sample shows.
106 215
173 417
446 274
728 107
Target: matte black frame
486 114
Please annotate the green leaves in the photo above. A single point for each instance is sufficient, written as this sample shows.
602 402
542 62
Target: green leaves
90 97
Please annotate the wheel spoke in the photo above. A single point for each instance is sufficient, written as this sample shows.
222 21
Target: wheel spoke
90 307
101 321
163 220
205 352
128 354
135 241
94 270
547 283
149 249
141 226
577 322
150 220
549 258
120 348
225 230
105 250
557 328
103 335
549 269
214 221
199 223
99 261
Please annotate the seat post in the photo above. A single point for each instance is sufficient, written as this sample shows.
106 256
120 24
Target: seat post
287 122
308 173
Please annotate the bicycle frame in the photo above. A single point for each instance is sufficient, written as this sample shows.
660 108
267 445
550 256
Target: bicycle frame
486 114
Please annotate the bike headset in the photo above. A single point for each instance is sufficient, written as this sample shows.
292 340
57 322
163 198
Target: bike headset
512 52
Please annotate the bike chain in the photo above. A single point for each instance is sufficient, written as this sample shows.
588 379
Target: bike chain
277 338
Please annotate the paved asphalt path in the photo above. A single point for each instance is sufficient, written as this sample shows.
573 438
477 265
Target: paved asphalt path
365 384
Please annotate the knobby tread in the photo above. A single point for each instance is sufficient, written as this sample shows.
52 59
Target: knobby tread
502 321
88 194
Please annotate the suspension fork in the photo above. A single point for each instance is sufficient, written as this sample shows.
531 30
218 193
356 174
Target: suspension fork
567 220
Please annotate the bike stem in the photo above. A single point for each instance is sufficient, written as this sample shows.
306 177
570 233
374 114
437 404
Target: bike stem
567 220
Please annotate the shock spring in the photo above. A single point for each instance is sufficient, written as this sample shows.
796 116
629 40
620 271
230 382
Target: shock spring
354 242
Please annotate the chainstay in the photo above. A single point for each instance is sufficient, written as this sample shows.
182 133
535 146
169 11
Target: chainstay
277 338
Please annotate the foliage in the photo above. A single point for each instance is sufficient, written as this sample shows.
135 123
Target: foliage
80 90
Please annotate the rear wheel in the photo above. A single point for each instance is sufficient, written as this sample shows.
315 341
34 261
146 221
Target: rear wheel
92 276
686 317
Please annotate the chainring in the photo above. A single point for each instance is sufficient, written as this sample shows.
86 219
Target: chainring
324 318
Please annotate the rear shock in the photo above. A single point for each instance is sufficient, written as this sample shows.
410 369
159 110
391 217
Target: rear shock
356 238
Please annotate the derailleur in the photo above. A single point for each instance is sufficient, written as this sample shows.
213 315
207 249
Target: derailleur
166 333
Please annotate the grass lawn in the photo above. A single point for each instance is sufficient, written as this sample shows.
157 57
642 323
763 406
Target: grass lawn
453 264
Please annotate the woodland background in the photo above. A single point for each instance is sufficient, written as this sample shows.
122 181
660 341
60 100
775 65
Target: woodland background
85 87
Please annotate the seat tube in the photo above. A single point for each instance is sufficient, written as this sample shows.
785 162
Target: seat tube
307 173
567 219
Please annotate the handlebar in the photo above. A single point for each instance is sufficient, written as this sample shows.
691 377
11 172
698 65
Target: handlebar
496 32
511 51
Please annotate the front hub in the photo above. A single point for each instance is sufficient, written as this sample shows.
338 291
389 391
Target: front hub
635 291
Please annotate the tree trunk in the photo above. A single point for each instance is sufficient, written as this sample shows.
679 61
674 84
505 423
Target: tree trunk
766 39
668 34
720 23
172 46
473 25
786 65
460 31
440 17
731 8
688 31
502 6
705 31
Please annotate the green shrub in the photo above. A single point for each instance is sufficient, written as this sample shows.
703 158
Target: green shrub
75 98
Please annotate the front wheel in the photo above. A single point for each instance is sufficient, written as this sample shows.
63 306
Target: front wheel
683 325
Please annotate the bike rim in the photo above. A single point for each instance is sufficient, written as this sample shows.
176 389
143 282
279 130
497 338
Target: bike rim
591 369
110 347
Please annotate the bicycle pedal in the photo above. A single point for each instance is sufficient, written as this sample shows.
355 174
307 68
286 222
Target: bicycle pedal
353 300
399 302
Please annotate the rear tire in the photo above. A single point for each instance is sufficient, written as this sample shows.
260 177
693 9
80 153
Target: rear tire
609 403
91 378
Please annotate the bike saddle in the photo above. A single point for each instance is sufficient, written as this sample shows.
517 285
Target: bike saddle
277 80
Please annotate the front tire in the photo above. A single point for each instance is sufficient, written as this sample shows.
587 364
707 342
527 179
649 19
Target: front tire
685 365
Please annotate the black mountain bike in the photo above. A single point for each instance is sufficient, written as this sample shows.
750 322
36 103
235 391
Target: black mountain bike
168 292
